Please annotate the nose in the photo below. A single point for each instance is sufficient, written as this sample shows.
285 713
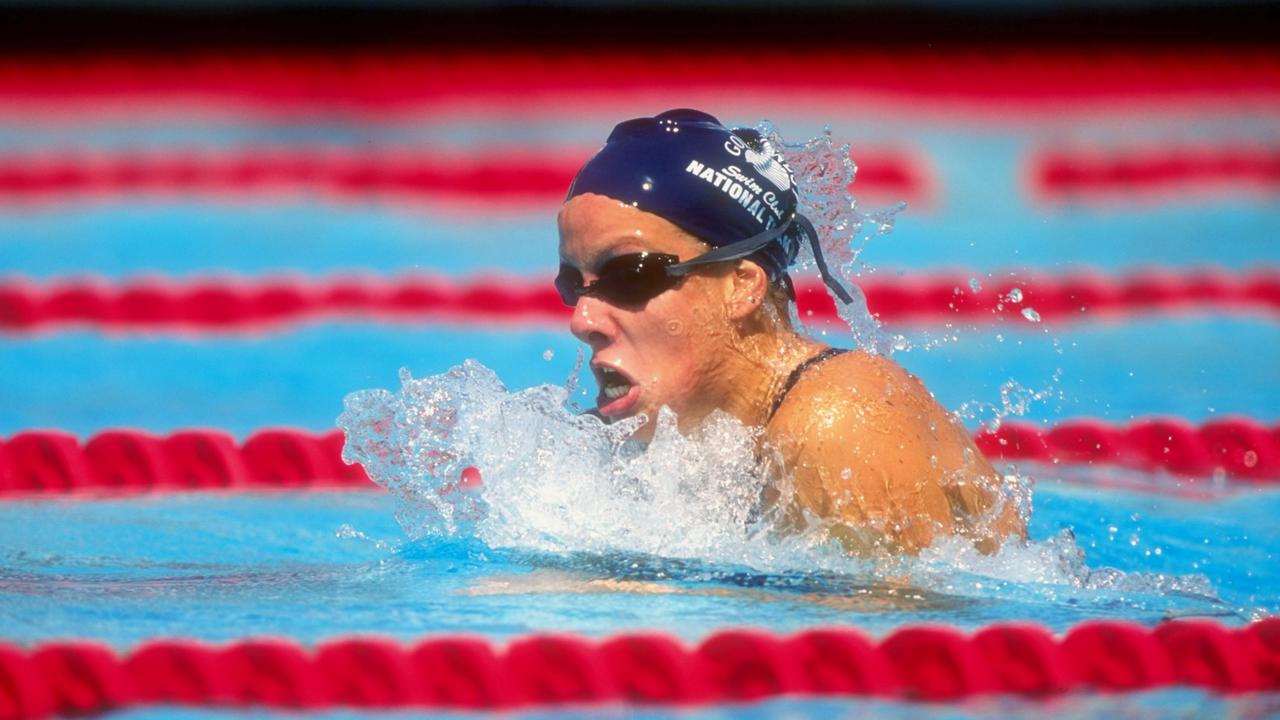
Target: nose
591 322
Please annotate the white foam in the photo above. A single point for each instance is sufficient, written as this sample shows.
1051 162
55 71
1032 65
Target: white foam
559 482
555 481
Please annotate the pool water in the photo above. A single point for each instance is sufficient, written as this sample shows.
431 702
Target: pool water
1105 543
83 381
318 565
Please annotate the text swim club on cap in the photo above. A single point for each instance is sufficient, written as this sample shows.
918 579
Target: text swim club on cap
729 188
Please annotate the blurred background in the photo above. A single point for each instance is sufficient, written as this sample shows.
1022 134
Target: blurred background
149 148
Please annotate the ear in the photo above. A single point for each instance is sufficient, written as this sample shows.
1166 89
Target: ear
750 284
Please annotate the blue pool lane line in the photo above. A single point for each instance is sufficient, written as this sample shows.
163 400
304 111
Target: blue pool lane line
1196 368
318 238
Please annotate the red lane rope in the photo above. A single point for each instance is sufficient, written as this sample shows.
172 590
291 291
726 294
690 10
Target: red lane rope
231 303
52 462
513 175
500 83
496 174
1157 172
523 176
923 663
1240 448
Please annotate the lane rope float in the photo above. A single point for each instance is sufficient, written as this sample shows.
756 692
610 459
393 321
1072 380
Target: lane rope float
573 84
538 179
233 303
439 176
920 663
122 460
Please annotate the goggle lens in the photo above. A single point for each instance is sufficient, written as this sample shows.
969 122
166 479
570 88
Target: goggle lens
624 280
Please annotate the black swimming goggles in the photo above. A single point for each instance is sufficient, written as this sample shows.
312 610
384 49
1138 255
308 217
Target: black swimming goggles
637 278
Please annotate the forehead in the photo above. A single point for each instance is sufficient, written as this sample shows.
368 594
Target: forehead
594 225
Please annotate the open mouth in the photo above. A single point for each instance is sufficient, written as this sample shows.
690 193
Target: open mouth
613 384
617 391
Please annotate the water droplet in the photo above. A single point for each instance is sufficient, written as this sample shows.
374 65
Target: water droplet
974 285
346 532
548 354
1250 459
1015 295
1031 314
846 473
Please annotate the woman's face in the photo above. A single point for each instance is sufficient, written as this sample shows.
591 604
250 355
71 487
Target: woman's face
661 352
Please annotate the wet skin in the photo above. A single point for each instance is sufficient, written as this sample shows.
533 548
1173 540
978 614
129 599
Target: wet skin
863 444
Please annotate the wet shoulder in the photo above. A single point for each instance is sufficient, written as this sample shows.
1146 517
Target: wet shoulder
850 390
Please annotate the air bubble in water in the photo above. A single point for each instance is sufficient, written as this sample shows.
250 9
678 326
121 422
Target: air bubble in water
548 354
1031 314
974 285
1015 295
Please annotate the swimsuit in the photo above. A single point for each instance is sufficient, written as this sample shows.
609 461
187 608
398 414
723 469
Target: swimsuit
794 377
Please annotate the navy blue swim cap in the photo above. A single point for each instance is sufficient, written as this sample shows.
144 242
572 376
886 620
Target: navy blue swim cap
729 188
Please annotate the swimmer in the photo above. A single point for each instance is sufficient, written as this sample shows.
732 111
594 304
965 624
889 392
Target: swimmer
675 242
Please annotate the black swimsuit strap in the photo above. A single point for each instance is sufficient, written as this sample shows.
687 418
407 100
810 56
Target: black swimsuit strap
794 377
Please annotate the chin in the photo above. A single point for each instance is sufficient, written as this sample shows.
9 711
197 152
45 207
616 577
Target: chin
645 433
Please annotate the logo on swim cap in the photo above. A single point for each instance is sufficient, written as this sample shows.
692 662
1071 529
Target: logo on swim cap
767 163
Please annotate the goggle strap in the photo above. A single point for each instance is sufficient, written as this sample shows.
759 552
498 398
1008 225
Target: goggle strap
732 251
743 248
827 277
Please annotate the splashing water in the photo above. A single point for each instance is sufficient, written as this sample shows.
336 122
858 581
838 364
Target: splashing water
554 481
823 172
568 484
1016 400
